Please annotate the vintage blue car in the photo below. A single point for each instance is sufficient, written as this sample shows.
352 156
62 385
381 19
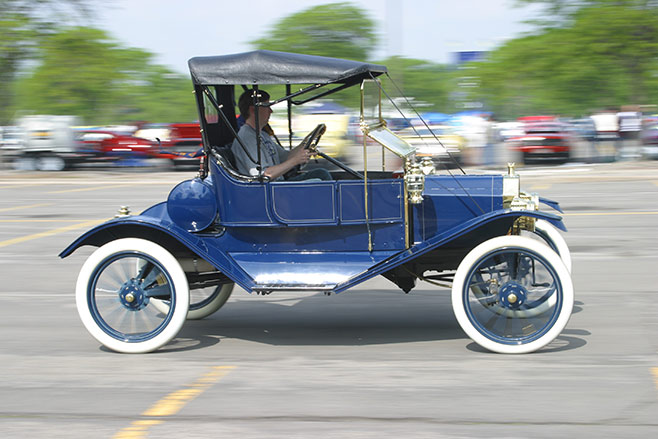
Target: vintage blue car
480 235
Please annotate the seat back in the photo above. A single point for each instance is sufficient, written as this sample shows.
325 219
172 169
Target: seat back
227 154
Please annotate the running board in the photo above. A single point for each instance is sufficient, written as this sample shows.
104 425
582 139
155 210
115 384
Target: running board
278 287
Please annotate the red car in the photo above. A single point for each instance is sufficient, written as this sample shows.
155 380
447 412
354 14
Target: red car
101 145
543 141
179 142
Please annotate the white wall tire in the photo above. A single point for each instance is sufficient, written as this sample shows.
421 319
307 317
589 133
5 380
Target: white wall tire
203 302
554 239
113 295
543 302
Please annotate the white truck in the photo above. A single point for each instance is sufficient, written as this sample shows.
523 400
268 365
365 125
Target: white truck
48 143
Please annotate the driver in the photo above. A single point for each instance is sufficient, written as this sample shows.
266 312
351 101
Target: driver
276 161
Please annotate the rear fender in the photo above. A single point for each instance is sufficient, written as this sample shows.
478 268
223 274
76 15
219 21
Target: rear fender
176 240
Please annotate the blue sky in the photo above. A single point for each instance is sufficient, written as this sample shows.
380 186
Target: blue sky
177 30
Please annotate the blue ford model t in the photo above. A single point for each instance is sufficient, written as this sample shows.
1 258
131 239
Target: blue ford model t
480 235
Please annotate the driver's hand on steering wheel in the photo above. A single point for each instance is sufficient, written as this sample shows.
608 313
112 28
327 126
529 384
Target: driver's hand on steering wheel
300 155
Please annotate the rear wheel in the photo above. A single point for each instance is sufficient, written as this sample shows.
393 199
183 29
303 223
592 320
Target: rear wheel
203 301
550 235
512 294
115 292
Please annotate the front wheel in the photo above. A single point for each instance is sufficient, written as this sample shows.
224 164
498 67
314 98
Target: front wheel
512 294
115 292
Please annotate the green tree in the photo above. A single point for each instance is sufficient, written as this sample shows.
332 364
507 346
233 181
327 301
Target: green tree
339 30
84 72
604 53
428 84
23 23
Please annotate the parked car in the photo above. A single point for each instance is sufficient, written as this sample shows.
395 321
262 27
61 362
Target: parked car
543 141
508 130
584 128
180 258
12 139
179 142
111 146
650 141
439 142
607 125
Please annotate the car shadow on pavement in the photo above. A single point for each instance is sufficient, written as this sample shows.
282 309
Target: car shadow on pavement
566 341
362 318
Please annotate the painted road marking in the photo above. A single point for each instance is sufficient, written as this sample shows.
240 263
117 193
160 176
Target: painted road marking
50 232
654 370
21 184
609 213
39 220
84 189
30 206
172 404
540 186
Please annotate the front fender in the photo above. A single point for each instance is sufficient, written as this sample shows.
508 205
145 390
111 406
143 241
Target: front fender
446 237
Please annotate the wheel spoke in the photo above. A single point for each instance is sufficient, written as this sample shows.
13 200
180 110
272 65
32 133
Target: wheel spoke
127 268
113 276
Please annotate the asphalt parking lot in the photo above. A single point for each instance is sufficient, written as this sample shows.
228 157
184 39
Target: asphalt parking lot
368 363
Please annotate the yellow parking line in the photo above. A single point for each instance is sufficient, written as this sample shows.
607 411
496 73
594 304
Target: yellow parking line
138 429
609 213
50 232
30 206
21 184
654 370
540 186
39 221
84 189
172 403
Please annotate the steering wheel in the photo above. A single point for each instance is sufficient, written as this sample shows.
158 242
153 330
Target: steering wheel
313 138
309 142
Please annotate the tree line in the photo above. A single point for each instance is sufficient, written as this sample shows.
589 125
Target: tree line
583 55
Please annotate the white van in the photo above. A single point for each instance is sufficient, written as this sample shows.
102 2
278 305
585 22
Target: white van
48 143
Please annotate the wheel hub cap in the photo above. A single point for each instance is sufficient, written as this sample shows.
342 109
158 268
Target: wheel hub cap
512 295
132 295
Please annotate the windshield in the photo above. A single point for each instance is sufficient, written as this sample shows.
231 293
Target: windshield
392 142
373 124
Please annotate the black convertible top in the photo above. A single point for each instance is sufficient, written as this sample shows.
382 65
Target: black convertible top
268 67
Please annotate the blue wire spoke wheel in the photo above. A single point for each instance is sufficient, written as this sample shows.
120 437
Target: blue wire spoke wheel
116 290
512 294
